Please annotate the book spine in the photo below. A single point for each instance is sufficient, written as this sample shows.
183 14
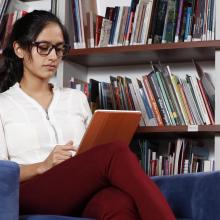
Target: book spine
179 97
153 101
105 32
83 42
207 104
198 110
173 96
122 26
135 100
114 23
187 36
179 21
192 103
165 98
115 88
140 101
154 86
117 28
188 112
161 13
147 102
169 25
98 29
200 101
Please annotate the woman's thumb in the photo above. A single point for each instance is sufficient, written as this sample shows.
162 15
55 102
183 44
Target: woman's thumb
69 143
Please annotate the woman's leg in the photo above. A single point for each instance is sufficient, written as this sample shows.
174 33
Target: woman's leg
67 187
111 203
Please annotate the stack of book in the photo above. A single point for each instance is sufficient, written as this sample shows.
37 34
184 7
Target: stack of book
182 156
11 11
145 22
161 96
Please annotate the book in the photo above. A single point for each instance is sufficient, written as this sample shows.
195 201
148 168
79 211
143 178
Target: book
158 97
108 126
166 95
147 105
134 98
105 32
207 84
116 92
180 11
98 28
170 22
153 101
94 94
161 14
173 95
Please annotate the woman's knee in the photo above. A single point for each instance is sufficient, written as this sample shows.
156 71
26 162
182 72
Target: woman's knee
117 146
111 203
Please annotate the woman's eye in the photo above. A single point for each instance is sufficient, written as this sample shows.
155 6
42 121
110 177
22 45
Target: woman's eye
43 47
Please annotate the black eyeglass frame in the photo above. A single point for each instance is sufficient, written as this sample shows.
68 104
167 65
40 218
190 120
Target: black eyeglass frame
66 47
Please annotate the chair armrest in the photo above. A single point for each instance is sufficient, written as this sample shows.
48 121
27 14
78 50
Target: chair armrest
194 196
9 190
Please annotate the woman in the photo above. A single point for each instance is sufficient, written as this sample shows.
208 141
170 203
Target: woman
41 127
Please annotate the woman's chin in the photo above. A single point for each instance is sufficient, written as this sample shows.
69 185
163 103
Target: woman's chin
48 74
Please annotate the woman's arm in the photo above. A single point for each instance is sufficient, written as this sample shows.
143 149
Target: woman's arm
29 171
3 147
59 154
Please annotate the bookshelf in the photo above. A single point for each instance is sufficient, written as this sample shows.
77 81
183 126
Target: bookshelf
92 62
139 54
209 131
101 62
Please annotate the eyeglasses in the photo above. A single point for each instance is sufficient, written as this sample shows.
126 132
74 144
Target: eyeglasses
44 48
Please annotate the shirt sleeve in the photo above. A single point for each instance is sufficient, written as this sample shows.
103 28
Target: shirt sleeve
3 146
86 110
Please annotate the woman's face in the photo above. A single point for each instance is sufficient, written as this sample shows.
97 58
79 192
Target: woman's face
45 54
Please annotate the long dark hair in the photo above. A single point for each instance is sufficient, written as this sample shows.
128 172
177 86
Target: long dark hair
25 31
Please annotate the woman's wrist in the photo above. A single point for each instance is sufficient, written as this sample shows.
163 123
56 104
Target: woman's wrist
43 167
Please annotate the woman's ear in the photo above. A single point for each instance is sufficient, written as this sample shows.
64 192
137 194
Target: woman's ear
18 50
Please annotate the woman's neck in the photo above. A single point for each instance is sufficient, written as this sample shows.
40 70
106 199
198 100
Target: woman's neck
35 88
42 93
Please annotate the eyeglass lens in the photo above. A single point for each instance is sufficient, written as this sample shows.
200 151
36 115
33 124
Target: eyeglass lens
45 48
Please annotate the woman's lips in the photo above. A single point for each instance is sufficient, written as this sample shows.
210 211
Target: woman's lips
50 67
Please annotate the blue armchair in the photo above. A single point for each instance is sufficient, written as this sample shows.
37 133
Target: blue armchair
191 196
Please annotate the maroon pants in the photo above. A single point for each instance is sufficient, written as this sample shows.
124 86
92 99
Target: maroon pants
94 181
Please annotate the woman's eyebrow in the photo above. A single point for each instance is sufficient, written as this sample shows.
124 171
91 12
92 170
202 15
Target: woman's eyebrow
46 41
59 43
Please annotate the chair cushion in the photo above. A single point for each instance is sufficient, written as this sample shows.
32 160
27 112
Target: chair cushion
193 196
9 175
183 219
50 217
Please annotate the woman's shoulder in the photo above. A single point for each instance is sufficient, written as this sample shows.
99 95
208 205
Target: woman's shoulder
4 101
3 96
11 92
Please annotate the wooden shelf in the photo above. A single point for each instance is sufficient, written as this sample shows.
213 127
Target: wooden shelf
142 54
199 131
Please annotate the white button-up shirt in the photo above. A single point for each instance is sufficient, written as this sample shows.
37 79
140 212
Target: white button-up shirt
28 133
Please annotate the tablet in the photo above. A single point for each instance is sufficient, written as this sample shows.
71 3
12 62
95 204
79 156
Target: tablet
109 126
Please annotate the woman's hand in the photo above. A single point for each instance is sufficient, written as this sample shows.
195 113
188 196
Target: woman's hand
59 154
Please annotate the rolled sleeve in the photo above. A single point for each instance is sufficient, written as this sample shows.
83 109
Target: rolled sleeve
86 110
3 146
